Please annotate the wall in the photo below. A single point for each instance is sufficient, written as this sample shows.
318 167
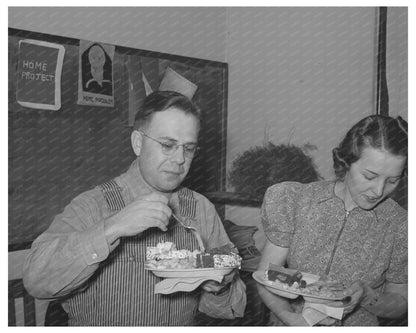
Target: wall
397 65
192 32
300 74
305 75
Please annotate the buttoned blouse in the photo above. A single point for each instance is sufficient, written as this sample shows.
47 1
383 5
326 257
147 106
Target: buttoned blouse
324 239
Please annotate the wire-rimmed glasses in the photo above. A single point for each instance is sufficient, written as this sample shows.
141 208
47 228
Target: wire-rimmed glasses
170 147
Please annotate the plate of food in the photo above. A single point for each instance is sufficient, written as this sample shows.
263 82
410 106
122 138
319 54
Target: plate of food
291 283
191 273
166 261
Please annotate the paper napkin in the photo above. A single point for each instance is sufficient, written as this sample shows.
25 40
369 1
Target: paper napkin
315 312
172 285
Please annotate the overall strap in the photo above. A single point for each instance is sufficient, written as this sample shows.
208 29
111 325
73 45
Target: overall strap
187 203
113 196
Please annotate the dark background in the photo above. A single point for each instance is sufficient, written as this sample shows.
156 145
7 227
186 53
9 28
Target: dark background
55 155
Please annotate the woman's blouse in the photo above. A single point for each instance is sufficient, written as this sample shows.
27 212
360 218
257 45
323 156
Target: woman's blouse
324 239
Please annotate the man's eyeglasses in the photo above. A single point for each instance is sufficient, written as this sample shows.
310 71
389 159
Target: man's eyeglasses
169 148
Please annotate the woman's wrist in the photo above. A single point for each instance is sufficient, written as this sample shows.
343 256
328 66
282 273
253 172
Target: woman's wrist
292 318
369 297
387 305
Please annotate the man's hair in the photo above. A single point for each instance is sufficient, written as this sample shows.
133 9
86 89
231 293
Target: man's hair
159 101
379 132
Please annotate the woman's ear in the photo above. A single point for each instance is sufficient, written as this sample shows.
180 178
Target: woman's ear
136 142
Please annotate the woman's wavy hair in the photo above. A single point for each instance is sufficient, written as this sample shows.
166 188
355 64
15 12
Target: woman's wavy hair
379 132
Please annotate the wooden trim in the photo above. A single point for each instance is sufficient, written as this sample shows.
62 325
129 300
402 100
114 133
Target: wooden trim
382 99
222 163
17 290
230 198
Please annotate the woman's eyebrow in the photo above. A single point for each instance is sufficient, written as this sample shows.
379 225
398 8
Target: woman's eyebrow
376 174
399 176
372 172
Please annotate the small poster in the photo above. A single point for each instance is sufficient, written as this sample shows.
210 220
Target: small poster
95 78
39 74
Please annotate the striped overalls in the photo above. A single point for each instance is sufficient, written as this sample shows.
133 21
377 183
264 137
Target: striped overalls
121 292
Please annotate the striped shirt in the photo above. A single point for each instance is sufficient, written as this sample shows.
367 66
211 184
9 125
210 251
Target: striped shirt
107 285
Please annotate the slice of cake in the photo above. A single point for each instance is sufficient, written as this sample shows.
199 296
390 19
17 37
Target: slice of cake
220 257
165 255
284 275
204 260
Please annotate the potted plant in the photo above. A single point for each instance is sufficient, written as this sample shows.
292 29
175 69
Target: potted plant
259 167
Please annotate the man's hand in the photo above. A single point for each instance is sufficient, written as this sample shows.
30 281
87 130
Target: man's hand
214 286
147 211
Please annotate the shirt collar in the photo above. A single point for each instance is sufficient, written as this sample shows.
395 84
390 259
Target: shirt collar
327 192
137 185
135 181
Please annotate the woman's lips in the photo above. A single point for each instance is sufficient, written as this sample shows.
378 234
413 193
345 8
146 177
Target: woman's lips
371 199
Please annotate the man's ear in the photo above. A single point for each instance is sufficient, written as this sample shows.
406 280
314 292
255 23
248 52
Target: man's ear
136 142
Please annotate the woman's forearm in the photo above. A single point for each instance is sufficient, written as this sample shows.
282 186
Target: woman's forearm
281 308
388 305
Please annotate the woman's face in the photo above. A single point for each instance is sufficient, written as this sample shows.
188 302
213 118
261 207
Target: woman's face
373 177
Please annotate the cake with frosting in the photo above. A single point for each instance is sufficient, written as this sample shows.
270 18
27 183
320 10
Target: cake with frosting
166 256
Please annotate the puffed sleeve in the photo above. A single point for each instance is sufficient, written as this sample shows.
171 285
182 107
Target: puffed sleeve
278 212
398 268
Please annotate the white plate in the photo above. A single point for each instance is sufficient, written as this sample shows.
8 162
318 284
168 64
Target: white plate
191 273
274 288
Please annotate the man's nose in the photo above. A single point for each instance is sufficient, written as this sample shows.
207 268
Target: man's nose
179 155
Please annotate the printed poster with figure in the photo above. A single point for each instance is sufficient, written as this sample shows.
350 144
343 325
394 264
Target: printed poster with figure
39 74
95 78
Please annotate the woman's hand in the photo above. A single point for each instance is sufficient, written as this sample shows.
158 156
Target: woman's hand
357 292
354 295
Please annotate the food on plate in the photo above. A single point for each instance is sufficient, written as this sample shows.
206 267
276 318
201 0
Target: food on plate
166 256
330 289
286 277
204 260
292 281
220 257
167 250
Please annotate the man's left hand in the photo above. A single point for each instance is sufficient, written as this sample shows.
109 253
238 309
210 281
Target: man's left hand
212 286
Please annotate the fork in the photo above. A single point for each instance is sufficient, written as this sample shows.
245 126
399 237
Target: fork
187 227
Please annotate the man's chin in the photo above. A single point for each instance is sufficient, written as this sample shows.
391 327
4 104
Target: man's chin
170 186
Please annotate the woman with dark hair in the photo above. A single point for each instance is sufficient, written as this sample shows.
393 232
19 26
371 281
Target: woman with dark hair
347 230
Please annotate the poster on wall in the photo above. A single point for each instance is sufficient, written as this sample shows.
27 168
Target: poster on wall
39 74
95 75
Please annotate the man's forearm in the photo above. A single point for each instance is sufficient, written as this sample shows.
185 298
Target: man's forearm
59 264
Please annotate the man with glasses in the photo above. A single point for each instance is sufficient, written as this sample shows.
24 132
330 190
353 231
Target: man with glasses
92 256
